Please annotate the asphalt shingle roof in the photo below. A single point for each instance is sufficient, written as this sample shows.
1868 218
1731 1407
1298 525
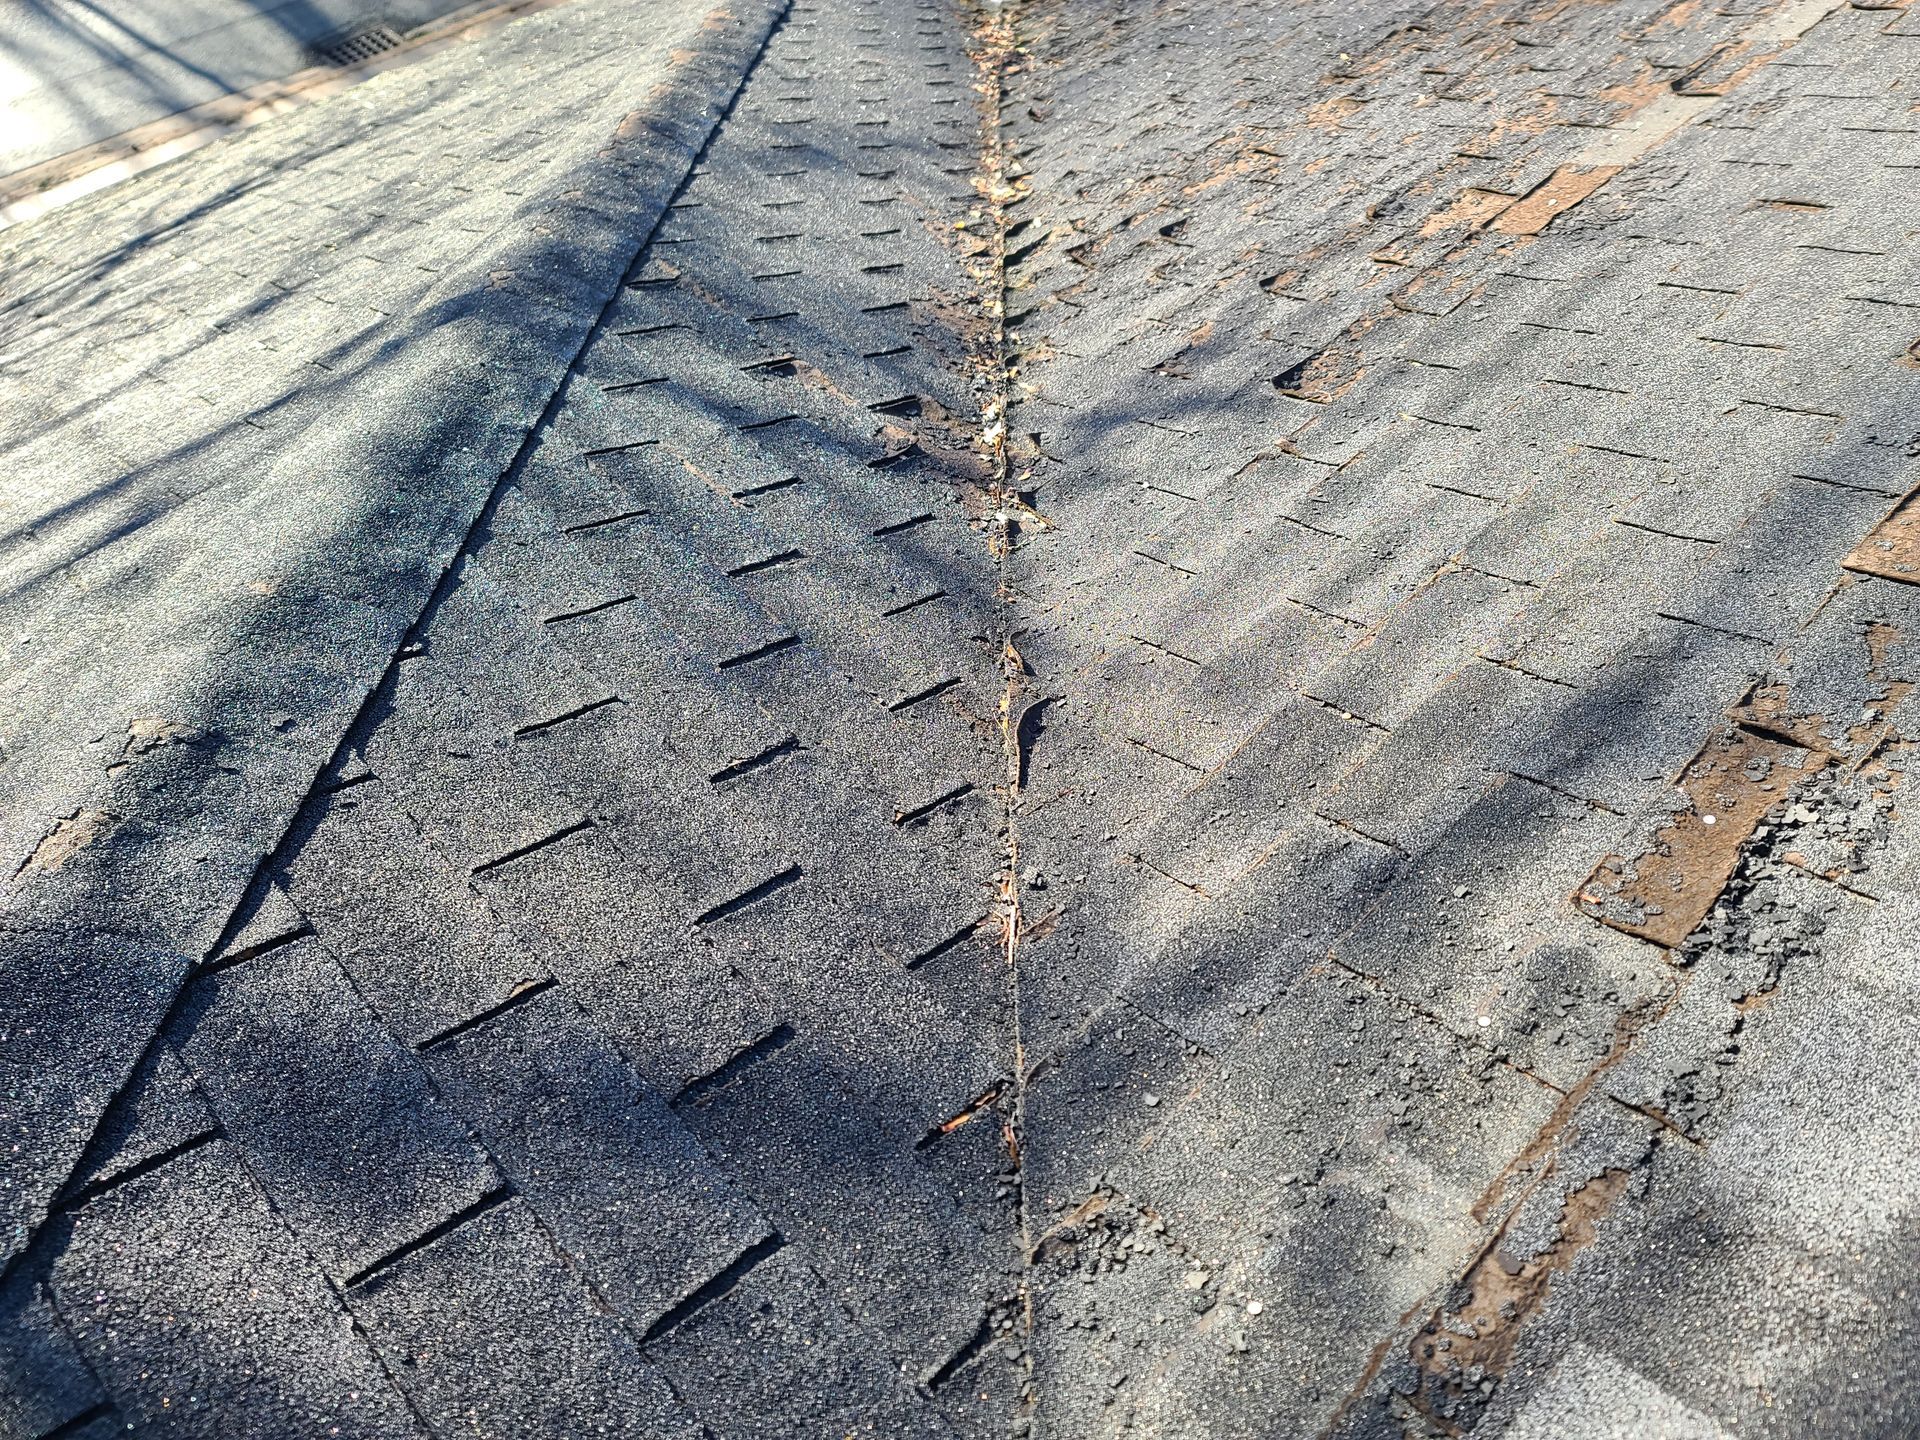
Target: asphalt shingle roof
1068 719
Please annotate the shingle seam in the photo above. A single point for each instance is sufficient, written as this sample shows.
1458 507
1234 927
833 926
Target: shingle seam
994 41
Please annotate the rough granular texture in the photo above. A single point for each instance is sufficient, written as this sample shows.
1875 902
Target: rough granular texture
901 717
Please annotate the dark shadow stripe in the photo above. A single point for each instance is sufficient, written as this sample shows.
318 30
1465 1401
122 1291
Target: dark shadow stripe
715 1289
86 1194
916 604
589 610
488 1201
754 567
574 714
80 1423
921 812
770 486
554 839
788 746
939 687
528 992
772 647
789 876
735 1065
953 941
982 1337
607 520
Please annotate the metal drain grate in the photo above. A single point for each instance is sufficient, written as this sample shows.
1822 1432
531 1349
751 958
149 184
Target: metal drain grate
350 47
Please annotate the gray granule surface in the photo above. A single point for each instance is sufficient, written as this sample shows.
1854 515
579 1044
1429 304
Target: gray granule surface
927 718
